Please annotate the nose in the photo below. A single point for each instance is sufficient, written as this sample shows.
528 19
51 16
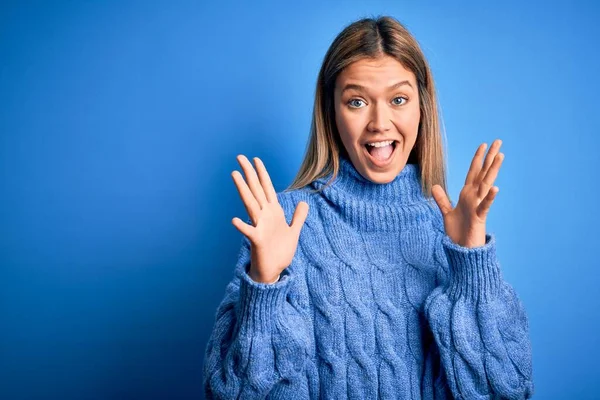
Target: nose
380 119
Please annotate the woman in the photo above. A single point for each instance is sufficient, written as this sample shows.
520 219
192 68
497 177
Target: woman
379 291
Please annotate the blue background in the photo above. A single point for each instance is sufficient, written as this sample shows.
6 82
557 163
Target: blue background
120 123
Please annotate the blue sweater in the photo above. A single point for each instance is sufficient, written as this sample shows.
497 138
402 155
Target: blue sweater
377 303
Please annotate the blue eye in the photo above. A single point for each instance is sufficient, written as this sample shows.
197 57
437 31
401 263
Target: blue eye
355 103
399 97
350 103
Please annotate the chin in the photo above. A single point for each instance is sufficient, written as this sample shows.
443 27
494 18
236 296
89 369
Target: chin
384 176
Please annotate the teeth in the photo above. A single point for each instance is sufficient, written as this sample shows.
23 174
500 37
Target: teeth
380 144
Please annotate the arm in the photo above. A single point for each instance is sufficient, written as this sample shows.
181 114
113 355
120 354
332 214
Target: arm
479 325
259 341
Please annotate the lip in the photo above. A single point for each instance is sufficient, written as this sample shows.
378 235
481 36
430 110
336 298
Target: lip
382 164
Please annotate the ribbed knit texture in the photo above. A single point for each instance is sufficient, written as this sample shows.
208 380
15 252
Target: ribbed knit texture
377 303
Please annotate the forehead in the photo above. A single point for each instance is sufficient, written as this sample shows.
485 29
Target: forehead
375 73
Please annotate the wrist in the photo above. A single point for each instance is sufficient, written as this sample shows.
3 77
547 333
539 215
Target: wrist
474 237
261 278
471 242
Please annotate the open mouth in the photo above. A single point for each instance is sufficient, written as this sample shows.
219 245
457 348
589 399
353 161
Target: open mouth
381 156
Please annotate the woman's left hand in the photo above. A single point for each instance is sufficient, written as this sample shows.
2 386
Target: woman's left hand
465 223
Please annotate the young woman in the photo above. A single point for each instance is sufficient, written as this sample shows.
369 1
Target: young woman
379 291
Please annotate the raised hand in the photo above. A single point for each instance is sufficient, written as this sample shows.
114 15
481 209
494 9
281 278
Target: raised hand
273 241
465 223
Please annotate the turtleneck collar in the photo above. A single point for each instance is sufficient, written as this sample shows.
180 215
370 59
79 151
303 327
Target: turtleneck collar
370 206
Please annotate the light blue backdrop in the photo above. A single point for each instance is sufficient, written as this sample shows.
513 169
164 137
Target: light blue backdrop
120 123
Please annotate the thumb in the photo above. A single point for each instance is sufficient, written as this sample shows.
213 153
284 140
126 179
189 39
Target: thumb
299 216
441 199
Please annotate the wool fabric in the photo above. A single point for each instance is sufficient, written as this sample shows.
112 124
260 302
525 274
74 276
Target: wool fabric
378 302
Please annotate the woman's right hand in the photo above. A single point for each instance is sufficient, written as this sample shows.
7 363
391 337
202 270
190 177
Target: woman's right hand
273 241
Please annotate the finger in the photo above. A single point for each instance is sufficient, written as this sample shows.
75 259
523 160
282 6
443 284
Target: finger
252 206
489 159
490 177
484 207
299 216
252 179
246 229
265 180
441 199
475 164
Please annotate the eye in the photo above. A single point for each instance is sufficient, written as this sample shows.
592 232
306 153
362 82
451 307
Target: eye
399 97
352 103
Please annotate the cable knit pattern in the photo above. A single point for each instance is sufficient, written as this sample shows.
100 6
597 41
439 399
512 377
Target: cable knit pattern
378 302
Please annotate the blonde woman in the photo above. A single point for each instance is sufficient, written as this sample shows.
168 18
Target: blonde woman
362 279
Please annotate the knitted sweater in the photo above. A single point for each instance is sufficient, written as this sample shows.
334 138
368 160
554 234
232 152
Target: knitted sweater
378 302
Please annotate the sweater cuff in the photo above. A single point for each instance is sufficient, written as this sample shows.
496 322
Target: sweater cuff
261 303
474 272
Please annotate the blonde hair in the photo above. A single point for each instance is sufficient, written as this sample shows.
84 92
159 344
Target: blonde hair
372 38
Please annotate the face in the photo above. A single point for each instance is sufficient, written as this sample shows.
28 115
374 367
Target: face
377 100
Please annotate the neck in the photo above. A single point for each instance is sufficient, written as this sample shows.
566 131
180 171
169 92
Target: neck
370 206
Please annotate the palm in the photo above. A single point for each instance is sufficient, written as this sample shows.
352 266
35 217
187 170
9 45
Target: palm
273 241
465 223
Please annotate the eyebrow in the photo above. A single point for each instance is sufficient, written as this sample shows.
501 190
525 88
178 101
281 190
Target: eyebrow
363 89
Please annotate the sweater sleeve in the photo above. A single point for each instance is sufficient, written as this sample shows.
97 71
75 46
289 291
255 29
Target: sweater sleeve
258 345
479 325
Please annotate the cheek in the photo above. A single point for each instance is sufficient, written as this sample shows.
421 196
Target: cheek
414 123
348 126
416 115
408 121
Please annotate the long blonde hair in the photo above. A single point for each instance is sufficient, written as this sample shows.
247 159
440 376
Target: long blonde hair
372 38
